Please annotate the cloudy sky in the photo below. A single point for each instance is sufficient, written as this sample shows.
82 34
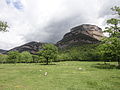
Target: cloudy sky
49 20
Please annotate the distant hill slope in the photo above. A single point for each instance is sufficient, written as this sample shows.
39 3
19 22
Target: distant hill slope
80 35
2 51
31 47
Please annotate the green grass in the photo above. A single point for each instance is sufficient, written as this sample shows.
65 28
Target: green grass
62 76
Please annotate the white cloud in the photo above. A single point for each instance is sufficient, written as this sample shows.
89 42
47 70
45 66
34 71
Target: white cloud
48 20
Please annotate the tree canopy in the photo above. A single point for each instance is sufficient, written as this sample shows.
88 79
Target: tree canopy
114 24
49 52
110 47
3 26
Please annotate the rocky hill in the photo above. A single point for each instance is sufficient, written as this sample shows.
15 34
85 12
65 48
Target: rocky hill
80 35
31 47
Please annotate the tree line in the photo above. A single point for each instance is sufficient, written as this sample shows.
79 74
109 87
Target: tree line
47 54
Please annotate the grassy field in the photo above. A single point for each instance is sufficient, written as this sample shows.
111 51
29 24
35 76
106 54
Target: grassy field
61 76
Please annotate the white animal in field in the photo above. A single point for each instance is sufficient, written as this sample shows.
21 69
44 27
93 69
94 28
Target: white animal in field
46 73
79 68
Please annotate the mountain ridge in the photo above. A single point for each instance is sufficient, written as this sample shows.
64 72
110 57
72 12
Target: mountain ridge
79 35
31 47
82 34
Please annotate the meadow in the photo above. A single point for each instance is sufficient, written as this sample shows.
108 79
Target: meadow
67 75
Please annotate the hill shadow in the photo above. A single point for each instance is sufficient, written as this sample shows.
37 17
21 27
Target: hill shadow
105 66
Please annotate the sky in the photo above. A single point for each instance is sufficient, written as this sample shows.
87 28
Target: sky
49 20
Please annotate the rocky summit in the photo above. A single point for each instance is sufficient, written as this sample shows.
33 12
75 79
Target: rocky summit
80 35
31 47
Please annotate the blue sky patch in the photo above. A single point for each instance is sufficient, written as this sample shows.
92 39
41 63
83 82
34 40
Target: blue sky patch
16 3
8 1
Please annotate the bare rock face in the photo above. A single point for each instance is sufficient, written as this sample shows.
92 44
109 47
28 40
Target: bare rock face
80 35
31 47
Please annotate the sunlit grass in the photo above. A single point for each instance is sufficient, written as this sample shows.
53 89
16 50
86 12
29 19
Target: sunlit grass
60 76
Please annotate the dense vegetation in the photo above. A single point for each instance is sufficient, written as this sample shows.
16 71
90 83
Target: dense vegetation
86 52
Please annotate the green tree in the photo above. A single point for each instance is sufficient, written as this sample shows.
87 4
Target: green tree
49 52
26 57
3 58
3 26
13 56
114 24
110 47
36 58
116 9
